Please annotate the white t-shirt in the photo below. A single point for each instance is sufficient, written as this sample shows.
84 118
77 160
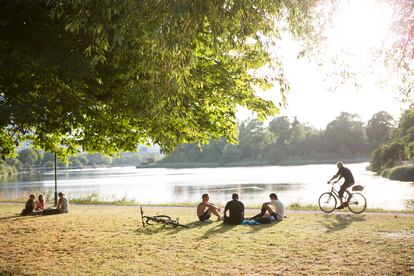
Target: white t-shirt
65 205
280 209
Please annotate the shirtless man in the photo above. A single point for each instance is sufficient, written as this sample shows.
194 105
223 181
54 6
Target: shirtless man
205 208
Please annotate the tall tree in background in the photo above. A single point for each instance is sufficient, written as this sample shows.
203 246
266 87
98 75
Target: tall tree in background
108 75
378 128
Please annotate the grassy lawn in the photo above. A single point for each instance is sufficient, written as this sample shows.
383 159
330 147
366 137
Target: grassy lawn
110 240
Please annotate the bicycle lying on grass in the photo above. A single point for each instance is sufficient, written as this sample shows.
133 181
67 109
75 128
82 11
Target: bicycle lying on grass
355 202
164 219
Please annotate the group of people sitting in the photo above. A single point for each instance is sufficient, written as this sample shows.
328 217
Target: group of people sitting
33 207
234 210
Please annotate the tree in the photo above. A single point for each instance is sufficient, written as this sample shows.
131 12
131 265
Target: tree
345 136
28 157
108 75
378 128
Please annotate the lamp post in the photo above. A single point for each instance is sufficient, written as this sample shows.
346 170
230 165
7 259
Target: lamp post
55 180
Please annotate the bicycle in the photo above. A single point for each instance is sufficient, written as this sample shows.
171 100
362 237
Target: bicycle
164 219
355 202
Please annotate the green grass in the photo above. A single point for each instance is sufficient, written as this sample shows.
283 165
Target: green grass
110 240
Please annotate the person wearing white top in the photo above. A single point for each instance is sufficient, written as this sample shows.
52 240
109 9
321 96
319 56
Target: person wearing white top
268 214
63 204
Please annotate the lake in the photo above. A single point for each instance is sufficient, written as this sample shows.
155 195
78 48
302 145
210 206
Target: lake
293 184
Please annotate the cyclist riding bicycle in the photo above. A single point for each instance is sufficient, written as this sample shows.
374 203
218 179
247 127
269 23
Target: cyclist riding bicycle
349 181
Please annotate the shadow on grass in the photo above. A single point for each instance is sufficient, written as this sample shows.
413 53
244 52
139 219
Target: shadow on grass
218 229
18 217
157 228
333 223
259 227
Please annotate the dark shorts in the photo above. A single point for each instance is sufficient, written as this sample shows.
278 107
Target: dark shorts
204 216
343 188
228 220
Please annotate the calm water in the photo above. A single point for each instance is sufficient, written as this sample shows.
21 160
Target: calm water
302 184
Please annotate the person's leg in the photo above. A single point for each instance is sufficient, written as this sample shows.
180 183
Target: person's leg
213 210
205 216
263 210
341 195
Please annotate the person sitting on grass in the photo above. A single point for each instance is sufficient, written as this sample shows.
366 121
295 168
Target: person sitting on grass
63 204
29 207
267 215
236 209
205 208
40 204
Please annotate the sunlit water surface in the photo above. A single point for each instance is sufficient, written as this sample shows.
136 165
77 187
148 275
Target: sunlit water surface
293 184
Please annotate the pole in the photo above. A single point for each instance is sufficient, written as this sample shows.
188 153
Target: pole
55 180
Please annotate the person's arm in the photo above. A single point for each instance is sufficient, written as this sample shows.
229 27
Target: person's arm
225 209
213 205
242 211
335 176
340 177
59 205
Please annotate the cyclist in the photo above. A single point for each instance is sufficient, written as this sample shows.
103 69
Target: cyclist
349 181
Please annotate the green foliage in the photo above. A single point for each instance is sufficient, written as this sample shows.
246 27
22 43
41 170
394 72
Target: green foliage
378 128
105 76
282 140
401 173
399 146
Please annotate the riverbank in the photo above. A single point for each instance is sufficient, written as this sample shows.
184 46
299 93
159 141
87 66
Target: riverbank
110 240
400 173
291 162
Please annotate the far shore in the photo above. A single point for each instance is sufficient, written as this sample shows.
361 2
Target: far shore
292 162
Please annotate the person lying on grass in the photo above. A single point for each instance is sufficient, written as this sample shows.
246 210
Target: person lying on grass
29 207
267 215
205 208
236 209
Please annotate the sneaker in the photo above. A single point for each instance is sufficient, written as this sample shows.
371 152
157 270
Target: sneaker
340 207
345 204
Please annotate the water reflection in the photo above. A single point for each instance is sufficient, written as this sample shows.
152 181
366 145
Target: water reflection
301 184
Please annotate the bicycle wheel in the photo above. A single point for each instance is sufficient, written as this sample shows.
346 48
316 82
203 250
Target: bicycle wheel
327 202
157 219
174 224
357 203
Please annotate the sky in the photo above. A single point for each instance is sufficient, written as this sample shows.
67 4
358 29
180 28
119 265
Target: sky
317 98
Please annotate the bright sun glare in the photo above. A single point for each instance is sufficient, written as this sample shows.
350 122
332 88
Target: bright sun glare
359 29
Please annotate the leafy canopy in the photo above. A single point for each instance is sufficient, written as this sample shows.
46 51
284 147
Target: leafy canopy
108 75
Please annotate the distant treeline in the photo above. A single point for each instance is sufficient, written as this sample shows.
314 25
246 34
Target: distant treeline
394 155
30 159
346 137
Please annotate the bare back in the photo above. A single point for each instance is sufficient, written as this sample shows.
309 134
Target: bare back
201 208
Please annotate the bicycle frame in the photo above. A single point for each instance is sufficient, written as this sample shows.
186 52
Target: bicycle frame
335 193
